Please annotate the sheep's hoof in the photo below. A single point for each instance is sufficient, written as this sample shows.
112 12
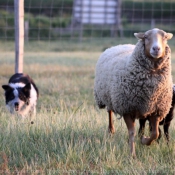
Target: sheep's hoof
134 156
145 140
111 130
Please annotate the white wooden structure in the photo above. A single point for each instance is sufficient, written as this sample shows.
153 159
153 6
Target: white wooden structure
97 12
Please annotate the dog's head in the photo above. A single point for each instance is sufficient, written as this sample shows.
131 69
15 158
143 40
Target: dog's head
17 97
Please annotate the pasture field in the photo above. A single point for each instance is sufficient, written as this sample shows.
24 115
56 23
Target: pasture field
69 134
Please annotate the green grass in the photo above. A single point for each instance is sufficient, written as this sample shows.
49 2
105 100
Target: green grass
87 44
69 135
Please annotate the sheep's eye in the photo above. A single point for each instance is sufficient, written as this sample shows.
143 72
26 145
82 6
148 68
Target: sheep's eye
145 37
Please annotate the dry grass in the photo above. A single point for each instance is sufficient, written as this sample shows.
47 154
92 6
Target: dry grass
70 135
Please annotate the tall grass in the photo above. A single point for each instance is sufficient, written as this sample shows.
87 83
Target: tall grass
69 134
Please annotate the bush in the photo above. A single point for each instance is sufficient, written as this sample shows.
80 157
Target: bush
148 9
40 26
6 24
46 7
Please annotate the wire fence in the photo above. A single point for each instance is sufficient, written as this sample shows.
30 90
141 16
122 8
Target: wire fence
87 19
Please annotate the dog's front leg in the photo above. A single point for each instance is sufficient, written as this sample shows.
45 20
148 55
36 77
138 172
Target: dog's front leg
32 114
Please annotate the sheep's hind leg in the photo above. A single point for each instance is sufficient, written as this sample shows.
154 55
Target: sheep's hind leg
130 123
111 123
166 131
154 121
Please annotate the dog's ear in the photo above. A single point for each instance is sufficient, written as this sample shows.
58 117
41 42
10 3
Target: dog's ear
6 87
26 89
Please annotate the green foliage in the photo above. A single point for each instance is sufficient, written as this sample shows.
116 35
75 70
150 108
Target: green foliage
40 26
45 7
47 19
6 24
148 9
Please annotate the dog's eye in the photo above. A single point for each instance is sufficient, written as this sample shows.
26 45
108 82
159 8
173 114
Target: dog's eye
22 97
11 97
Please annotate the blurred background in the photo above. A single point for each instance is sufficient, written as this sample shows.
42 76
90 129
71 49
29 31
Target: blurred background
83 22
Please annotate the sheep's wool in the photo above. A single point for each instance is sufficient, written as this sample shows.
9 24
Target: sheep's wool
128 82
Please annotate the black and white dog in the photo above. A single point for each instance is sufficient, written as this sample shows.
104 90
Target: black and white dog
21 95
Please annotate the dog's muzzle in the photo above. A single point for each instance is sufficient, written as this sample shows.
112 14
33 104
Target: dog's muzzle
16 106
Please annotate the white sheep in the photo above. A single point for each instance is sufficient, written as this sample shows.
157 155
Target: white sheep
135 81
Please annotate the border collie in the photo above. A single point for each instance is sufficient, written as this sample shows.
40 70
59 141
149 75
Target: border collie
21 95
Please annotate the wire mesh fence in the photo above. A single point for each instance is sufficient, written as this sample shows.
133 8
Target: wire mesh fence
65 20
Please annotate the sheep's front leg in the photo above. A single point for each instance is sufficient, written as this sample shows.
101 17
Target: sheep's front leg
154 121
111 123
130 123
142 127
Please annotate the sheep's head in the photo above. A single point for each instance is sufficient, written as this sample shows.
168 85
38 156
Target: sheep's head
155 41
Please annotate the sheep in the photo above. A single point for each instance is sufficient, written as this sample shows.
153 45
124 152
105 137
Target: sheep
135 81
165 122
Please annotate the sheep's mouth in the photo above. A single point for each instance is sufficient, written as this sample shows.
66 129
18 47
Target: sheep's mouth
156 54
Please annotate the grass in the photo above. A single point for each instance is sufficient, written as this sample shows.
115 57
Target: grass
70 135
88 44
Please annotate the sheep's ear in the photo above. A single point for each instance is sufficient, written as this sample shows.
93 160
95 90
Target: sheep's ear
169 35
139 35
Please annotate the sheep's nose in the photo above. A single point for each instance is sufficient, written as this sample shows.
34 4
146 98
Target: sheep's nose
156 48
